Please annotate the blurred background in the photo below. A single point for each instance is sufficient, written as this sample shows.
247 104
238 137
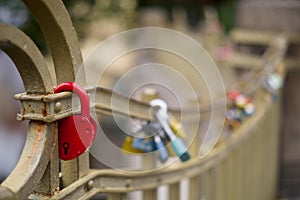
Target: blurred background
96 20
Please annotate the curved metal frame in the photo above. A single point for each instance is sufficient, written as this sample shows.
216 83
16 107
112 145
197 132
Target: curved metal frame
36 78
57 27
39 154
28 59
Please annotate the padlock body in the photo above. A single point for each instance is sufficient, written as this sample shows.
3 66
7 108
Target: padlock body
144 144
76 134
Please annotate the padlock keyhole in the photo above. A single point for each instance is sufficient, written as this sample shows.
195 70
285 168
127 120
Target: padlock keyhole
66 148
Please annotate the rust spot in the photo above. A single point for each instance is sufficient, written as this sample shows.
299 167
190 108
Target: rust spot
33 111
38 137
44 193
44 112
53 143
40 128
29 105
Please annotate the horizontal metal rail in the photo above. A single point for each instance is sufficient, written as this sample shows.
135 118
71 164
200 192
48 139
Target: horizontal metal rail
52 107
258 37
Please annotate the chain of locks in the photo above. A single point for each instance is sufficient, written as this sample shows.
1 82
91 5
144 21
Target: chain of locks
242 106
164 135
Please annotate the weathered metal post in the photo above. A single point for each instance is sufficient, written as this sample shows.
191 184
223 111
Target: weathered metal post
59 32
41 136
61 38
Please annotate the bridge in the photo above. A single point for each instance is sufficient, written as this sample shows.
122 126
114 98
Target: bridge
242 165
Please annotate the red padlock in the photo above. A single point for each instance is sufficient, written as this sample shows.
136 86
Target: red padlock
77 132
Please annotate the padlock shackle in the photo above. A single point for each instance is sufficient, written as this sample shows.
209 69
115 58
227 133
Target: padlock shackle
80 92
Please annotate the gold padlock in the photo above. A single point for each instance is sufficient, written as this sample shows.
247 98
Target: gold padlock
177 128
127 146
233 124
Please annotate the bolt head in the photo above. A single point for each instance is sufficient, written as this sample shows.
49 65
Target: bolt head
58 107
89 185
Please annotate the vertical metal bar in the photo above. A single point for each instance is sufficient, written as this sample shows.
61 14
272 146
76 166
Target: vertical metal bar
59 32
277 114
194 182
257 151
252 154
72 170
264 145
83 164
208 187
50 180
150 194
258 166
275 146
219 187
270 178
244 173
174 191
265 173
269 135
149 163
219 182
227 178
238 173
194 188
250 169
234 189
69 172
272 156
201 187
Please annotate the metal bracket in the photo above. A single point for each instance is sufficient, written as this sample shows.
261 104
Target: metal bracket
46 108
53 107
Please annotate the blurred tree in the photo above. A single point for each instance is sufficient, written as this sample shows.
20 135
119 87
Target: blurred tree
194 10
14 12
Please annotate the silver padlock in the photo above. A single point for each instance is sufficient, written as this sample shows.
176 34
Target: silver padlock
176 143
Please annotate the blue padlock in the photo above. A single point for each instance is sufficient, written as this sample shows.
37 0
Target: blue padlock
161 148
234 114
144 144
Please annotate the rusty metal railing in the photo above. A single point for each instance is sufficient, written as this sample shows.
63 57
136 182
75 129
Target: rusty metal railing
243 166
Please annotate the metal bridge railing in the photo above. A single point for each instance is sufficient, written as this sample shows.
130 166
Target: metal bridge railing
243 166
